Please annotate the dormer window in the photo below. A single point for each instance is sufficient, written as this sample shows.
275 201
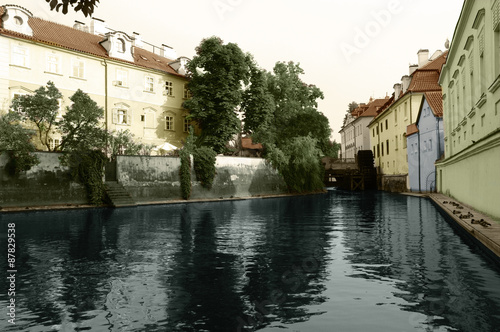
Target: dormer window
18 20
120 45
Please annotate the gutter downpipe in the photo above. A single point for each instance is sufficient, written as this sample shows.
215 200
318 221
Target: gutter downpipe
105 64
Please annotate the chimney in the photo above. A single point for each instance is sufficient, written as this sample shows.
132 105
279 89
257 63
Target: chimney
423 58
98 27
405 80
79 25
168 52
397 91
413 68
137 40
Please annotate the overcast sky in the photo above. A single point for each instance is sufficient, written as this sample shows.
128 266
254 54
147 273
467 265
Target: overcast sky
350 49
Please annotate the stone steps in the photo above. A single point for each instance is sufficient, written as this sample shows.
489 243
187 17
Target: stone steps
118 195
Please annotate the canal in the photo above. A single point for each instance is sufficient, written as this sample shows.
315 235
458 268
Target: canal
341 261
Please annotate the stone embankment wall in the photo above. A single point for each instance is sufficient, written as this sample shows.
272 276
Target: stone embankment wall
47 183
148 179
393 183
156 179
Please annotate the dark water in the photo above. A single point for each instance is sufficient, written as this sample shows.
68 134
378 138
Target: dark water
335 262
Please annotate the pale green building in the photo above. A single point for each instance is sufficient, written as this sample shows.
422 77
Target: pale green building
470 169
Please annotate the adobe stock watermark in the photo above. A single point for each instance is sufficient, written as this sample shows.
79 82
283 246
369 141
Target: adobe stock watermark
222 7
364 36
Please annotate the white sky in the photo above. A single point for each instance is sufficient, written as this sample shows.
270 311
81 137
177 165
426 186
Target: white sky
313 34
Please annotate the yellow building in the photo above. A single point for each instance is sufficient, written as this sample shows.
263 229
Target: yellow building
139 85
388 128
470 79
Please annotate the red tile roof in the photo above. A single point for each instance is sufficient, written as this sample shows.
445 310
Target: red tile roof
411 129
435 100
246 143
374 106
59 35
424 79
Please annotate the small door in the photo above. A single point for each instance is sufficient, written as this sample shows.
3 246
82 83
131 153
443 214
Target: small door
110 171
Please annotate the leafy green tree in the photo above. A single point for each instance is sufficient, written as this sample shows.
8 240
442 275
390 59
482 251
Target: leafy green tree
258 104
299 164
16 139
40 109
281 112
85 6
217 75
81 125
352 106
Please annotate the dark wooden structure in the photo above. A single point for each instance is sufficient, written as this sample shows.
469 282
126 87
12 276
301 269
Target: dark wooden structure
351 174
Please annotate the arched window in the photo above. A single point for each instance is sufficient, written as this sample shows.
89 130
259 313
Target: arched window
120 45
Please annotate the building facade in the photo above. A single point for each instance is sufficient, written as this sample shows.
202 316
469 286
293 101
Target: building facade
354 134
471 101
425 143
389 128
141 90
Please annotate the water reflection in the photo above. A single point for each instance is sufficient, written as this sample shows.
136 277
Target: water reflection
342 261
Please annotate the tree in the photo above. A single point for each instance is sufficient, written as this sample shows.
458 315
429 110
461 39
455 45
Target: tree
85 6
280 106
122 143
281 112
40 109
352 106
217 75
80 126
16 139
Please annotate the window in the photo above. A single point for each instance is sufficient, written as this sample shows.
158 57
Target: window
169 122
387 146
53 143
378 150
381 127
149 84
120 45
20 56
18 20
53 63
382 145
121 77
404 141
187 93
430 145
78 68
397 142
122 115
169 88
386 124
406 110
186 125
374 151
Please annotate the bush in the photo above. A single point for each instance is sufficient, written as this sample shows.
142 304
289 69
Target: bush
87 167
204 165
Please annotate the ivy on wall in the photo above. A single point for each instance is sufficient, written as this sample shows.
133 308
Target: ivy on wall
204 165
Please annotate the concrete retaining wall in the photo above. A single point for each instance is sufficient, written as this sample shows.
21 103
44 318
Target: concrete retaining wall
148 179
47 183
153 179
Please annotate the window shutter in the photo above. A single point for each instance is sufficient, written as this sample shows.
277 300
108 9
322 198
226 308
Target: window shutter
129 117
496 16
115 115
